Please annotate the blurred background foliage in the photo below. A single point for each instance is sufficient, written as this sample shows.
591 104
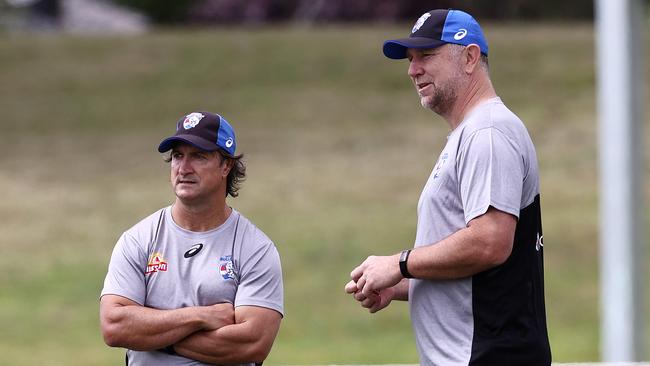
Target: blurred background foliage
235 11
263 11
337 146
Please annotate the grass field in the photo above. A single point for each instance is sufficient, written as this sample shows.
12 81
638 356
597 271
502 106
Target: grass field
338 150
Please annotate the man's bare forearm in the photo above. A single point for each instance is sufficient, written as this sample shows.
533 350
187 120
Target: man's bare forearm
250 340
130 325
401 290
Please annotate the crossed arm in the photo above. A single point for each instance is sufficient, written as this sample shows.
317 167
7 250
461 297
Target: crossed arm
485 243
212 334
248 340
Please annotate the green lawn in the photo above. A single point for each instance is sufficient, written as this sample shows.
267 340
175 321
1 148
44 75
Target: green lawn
338 150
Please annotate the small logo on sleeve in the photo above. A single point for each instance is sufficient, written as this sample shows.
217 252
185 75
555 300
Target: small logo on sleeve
226 268
156 263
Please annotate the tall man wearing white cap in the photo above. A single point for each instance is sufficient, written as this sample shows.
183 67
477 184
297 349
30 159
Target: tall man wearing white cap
195 283
474 279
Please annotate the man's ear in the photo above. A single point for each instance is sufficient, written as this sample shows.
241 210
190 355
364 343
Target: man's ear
227 166
471 58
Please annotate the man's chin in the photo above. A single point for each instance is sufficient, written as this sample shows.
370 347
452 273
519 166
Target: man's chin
427 102
436 106
186 195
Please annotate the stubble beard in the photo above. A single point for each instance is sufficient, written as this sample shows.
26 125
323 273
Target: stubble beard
444 96
441 101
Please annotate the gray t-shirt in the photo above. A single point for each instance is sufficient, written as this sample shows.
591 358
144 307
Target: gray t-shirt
489 160
158 264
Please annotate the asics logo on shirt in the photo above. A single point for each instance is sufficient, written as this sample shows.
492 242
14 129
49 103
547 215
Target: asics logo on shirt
194 250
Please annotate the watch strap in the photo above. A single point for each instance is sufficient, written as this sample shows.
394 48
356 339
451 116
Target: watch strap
403 268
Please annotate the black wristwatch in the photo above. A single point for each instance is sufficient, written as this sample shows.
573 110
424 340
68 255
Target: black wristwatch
402 263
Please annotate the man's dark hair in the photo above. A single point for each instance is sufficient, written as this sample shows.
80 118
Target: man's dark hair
236 175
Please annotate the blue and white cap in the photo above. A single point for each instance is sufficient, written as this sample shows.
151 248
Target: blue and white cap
436 28
203 130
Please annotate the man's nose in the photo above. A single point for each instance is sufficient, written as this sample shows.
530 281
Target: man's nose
184 166
415 68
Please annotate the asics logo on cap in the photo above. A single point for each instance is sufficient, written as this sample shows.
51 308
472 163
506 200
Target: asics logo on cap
229 142
460 34
420 21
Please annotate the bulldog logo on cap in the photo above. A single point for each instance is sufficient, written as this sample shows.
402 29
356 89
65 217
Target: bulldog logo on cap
191 120
420 21
204 130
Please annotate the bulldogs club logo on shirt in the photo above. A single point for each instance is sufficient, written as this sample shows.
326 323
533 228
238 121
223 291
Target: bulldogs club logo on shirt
226 268
156 263
441 162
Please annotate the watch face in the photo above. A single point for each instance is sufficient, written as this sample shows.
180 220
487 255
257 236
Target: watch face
402 257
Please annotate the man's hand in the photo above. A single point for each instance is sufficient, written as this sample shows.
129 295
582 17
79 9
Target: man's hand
376 273
218 315
377 299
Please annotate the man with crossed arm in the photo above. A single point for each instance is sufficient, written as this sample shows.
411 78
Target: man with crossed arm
195 283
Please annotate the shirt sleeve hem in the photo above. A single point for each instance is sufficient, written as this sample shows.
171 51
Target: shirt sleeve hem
118 293
263 304
478 212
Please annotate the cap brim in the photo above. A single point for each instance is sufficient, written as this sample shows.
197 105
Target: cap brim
198 142
396 48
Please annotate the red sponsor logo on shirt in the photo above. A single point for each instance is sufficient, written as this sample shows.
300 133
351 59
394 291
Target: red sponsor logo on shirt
156 263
